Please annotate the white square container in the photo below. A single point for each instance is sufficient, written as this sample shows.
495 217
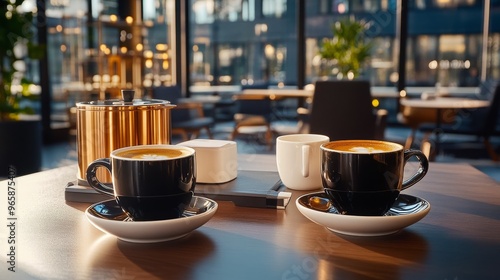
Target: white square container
216 160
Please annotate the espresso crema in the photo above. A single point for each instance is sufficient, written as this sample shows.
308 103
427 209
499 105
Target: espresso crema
153 154
363 146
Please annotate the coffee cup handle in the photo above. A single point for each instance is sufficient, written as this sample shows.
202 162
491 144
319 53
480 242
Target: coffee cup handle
92 177
305 160
422 170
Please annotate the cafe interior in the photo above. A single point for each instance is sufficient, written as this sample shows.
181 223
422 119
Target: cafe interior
237 81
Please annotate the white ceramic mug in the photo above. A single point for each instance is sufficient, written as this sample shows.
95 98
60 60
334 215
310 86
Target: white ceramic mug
298 160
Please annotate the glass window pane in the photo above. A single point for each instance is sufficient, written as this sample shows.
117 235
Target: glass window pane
493 65
447 50
203 11
274 8
236 10
238 49
119 46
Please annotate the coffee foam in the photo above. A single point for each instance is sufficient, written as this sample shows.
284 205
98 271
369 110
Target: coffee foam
363 147
152 154
366 150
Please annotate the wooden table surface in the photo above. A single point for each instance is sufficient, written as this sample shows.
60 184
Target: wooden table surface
459 238
445 103
274 93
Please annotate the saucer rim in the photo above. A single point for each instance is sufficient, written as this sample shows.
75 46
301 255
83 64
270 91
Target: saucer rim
157 231
381 225
87 211
427 207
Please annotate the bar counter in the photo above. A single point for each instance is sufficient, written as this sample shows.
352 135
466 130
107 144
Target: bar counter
458 239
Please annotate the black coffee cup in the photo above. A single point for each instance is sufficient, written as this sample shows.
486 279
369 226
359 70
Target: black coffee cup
365 177
150 182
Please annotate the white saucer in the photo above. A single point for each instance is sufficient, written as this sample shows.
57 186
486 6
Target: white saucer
406 211
109 217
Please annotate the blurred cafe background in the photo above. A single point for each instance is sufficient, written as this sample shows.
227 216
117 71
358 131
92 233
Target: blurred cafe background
214 49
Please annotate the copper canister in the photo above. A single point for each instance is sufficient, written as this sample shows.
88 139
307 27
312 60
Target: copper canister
103 126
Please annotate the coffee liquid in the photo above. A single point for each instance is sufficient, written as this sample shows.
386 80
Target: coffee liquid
152 154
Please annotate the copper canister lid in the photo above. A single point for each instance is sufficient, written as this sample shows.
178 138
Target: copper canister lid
117 104
127 103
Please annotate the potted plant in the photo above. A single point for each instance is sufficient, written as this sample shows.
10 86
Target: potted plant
20 141
348 50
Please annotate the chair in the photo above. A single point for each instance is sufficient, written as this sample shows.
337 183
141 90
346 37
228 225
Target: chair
343 110
414 118
187 118
481 123
253 111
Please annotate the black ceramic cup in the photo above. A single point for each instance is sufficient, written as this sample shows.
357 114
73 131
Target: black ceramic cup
365 177
150 182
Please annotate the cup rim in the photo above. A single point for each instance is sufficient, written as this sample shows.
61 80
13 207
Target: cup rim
288 138
399 146
160 146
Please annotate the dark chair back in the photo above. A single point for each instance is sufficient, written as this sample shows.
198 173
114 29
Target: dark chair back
482 122
254 105
343 110
172 94
491 123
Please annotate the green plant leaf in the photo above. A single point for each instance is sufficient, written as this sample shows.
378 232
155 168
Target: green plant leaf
348 48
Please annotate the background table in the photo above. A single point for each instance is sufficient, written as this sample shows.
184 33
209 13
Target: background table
443 103
459 239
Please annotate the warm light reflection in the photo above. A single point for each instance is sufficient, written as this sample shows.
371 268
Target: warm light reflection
161 47
113 18
341 8
350 75
139 47
123 49
129 19
433 64
35 89
269 51
375 103
59 28
148 54
148 63
394 77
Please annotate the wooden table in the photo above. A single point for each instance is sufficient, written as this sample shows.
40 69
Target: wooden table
459 238
279 93
274 93
443 103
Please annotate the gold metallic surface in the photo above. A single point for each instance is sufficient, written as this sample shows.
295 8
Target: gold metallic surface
106 126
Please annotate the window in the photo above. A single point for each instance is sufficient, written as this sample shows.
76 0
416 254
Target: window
274 8
203 11
235 10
